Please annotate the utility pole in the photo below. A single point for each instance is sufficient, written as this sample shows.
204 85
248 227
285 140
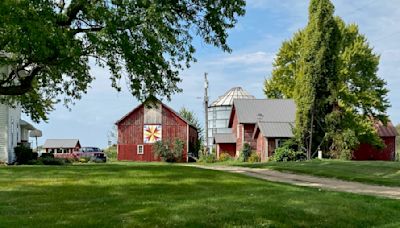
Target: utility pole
206 111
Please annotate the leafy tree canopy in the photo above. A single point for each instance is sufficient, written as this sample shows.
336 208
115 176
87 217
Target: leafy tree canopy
338 81
48 45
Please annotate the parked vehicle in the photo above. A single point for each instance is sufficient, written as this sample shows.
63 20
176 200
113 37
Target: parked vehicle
91 152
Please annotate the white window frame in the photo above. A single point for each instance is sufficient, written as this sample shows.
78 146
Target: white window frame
140 149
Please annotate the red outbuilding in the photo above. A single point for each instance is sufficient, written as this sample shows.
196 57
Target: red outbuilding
143 126
388 134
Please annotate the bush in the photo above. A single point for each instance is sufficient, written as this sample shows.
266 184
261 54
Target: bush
207 158
254 157
47 155
111 152
84 159
285 153
24 154
169 152
54 161
224 157
245 153
398 155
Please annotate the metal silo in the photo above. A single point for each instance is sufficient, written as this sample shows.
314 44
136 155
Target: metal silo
219 112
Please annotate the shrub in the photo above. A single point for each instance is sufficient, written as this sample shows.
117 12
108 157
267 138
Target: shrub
24 154
254 157
285 153
207 158
169 152
245 153
224 157
111 152
47 155
84 159
53 161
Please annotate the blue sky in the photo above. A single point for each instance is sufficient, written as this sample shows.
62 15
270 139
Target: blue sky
254 41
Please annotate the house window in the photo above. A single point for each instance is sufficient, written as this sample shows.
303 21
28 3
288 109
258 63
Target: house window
140 149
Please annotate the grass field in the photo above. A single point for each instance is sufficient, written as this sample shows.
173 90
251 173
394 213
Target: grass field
148 195
372 172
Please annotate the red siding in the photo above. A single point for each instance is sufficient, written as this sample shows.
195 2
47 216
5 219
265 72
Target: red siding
271 146
130 134
261 147
248 135
229 148
368 152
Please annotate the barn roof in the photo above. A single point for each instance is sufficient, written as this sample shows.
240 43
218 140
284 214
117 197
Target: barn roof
224 138
272 110
61 143
228 98
274 129
385 131
165 106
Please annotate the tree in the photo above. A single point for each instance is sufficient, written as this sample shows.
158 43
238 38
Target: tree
191 117
49 43
317 73
348 95
168 151
398 137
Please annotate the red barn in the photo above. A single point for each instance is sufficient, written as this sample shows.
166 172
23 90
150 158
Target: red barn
143 126
388 134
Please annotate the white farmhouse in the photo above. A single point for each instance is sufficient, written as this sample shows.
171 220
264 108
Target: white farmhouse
13 130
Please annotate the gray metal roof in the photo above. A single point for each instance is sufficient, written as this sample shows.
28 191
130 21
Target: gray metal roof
276 129
232 94
60 143
272 110
224 138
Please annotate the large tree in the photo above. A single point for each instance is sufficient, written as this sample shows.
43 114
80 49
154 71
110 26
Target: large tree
339 82
49 44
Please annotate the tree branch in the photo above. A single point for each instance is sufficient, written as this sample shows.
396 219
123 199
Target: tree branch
72 11
93 29
25 84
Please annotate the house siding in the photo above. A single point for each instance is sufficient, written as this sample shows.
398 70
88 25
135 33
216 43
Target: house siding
3 133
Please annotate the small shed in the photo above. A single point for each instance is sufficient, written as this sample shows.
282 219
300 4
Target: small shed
144 125
60 146
226 143
271 135
388 134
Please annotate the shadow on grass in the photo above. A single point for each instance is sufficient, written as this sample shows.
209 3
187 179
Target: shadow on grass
166 195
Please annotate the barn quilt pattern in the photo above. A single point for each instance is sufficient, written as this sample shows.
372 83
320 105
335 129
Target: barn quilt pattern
152 133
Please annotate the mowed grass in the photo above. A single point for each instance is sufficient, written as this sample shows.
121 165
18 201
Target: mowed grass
372 172
150 195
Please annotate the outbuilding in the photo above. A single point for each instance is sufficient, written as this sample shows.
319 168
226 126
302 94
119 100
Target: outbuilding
61 146
388 134
144 125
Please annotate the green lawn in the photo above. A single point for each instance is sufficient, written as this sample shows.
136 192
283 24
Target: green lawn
372 172
148 195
